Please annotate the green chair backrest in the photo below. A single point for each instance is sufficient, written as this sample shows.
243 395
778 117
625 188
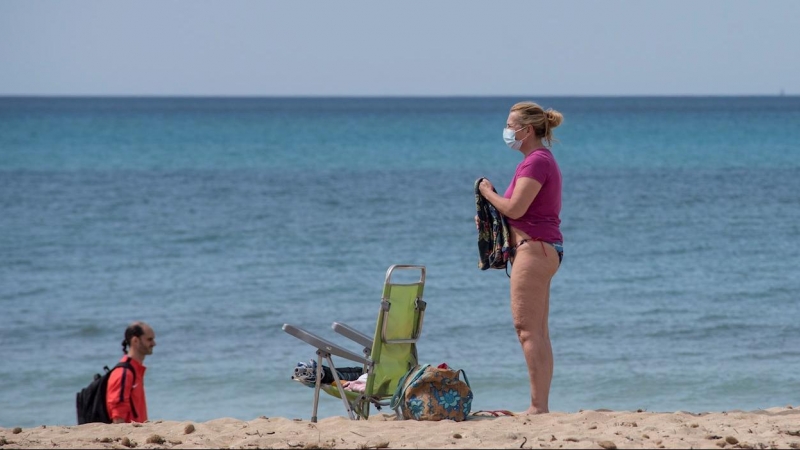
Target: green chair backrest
402 322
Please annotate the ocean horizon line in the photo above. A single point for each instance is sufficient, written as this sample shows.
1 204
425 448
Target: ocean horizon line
378 97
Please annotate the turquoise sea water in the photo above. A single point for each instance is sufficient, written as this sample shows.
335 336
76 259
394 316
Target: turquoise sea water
218 220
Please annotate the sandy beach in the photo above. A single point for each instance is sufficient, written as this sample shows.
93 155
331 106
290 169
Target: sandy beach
777 427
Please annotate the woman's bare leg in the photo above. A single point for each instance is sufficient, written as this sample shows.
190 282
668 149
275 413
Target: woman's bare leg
533 268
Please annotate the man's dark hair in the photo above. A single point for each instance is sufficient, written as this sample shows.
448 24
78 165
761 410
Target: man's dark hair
133 330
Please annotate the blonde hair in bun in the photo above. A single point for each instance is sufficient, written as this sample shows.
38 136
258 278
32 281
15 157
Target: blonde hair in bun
543 122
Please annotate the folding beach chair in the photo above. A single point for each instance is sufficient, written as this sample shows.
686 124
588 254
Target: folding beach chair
386 357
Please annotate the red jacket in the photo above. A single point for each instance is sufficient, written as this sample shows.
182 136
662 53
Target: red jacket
125 398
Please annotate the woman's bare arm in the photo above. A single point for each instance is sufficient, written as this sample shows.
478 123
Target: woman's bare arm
525 191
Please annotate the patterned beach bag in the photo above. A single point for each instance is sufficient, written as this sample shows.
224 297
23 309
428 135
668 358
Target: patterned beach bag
433 393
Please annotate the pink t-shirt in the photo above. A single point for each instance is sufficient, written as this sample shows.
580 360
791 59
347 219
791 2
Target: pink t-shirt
540 221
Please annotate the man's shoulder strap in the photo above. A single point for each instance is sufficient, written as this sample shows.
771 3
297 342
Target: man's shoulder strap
126 364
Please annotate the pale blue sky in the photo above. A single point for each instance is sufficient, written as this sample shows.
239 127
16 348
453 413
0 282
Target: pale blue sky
443 47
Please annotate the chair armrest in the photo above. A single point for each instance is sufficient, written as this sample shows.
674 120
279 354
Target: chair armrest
322 344
352 334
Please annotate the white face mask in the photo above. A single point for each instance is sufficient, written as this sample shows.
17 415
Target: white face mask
510 136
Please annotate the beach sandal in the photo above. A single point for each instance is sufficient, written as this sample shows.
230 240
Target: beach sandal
493 413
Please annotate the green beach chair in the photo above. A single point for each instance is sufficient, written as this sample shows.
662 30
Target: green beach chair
387 356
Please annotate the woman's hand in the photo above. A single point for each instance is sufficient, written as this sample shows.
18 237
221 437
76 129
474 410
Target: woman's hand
485 187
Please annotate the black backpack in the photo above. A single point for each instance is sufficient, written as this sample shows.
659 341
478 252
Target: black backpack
91 400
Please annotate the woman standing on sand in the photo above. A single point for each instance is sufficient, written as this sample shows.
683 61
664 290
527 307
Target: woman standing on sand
531 205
